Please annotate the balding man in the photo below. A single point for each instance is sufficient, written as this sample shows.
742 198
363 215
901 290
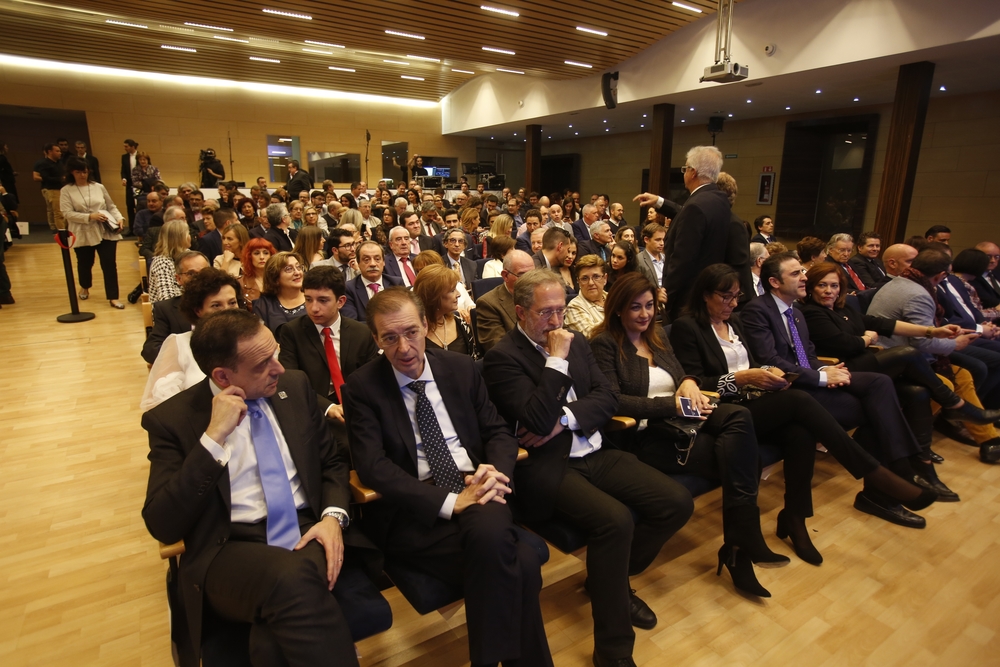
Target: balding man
399 260
987 285
495 314
897 258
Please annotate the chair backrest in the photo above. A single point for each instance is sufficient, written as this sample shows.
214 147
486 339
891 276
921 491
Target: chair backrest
484 285
480 264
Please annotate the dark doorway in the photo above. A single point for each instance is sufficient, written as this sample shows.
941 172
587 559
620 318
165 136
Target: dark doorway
560 172
826 169
25 131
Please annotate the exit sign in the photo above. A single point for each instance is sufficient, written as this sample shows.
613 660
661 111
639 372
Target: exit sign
767 169
730 156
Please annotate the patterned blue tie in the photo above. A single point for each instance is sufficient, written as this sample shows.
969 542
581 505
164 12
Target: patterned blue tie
439 458
282 518
800 350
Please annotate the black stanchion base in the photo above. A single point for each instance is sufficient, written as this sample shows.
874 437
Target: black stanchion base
75 317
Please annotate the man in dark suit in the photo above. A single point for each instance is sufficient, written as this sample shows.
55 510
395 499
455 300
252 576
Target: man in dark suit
279 233
738 242
167 318
418 240
455 259
326 346
370 282
866 263
555 247
532 221
545 381
399 260
93 165
778 336
699 233
211 241
425 435
764 224
298 180
495 314
581 227
243 470
600 243
988 285
129 162
839 250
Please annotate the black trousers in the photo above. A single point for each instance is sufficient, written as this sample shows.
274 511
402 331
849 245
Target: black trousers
130 203
284 595
4 278
106 251
597 493
795 421
500 576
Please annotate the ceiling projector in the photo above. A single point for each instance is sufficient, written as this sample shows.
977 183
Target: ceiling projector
725 72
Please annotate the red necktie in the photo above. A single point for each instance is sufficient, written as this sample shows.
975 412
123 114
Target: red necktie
857 281
409 272
336 377
374 288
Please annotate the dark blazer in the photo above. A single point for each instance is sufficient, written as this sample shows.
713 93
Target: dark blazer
697 237
988 296
852 285
738 255
210 245
523 242
760 238
495 316
772 346
837 333
282 242
94 166
953 311
127 169
297 183
167 319
468 269
592 247
532 396
188 495
384 448
629 377
871 271
258 232
698 349
581 231
302 349
358 296
393 268
425 242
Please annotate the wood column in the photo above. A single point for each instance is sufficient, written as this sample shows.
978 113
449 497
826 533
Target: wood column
661 147
906 129
533 158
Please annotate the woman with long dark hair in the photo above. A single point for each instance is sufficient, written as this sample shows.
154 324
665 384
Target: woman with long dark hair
623 260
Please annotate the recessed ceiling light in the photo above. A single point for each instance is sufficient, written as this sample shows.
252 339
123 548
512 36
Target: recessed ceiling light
691 109
319 51
592 32
576 64
605 120
333 46
683 121
550 137
749 101
571 127
288 14
208 27
687 7
730 115
491 137
788 108
341 69
576 133
509 71
411 78
942 88
607 129
495 50
515 134
643 115
524 140
848 142
857 99
264 60
641 125
424 58
403 34
818 91
231 39
396 62
505 12
178 48
462 71
127 25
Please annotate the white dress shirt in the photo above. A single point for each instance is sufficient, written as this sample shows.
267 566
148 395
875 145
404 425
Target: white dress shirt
782 307
369 283
433 394
961 302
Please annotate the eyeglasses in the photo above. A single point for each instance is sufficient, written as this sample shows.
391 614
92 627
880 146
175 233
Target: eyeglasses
292 268
456 241
591 279
347 245
189 274
685 168
549 312
729 296
392 340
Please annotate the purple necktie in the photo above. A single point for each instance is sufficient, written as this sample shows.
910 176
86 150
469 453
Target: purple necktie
800 351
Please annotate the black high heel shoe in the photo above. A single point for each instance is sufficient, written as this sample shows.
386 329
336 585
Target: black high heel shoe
741 527
741 570
970 413
795 528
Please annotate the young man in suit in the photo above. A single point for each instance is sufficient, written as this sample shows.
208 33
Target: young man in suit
298 180
399 261
370 282
532 221
555 247
545 381
167 318
778 336
418 240
764 224
495 314
866 263
243 470
425 435
651 260
129 162
326 346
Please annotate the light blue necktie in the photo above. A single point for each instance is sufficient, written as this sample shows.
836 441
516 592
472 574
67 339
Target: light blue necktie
282 517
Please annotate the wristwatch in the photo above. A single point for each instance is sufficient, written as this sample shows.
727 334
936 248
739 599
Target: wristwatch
564 420
341 518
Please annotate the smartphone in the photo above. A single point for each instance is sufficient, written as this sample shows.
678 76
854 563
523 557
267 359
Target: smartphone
688 409
791 377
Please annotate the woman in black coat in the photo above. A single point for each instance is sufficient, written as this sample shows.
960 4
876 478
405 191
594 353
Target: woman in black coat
649 383
708 342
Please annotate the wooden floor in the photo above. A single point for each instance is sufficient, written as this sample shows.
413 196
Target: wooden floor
81 582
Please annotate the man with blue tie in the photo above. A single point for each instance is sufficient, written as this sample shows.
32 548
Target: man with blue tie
243 470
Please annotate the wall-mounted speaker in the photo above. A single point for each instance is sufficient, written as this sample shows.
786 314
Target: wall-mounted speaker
609 89
715 124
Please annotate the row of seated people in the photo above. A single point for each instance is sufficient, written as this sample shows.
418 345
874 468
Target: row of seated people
533 374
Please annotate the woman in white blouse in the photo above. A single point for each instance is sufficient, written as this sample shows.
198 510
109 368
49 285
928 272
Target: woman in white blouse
499 247
233 242
174 370
96 222
586 310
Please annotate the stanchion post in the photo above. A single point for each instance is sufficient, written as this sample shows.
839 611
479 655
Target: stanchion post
64 242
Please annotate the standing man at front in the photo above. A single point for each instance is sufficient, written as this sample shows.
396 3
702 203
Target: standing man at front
545 380
298 180
425 435
243 470
49 173
699 233
92 163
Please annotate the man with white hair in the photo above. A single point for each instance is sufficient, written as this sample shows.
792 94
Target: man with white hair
400 205
601 241
758 253
581 227
698 235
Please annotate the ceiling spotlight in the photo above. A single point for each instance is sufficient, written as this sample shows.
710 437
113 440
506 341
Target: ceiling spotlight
641 125
462 71
341 69
178 48
515 134
942 88
687 7
577 133
730 115
550 137
643 115
749 101
691 109
607 129
571 127
333 46
411 78
509 71
424 58
505 12
592 32
503 51
264 60
127 25
291 15
683 121
605 120
857 99
403 34
818 91
208 27
788 108
396 62
576 64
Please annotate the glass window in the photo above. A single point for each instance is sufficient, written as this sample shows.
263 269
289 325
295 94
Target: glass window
280 149
336 167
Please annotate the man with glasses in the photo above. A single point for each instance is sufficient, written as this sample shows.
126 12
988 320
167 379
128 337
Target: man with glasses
342 245
545 381
371 281
495 314
425 435
167 318
279 234
454 243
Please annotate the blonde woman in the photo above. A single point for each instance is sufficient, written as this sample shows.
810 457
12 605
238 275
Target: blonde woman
175 238
233 242
309 245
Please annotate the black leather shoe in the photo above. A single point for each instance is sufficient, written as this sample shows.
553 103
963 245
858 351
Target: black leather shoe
891 512
970 413
989 451
926 478
601 661
134 295
957 433
642 616
935 457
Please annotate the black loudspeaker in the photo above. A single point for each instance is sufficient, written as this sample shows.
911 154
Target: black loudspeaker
609 89
715 124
